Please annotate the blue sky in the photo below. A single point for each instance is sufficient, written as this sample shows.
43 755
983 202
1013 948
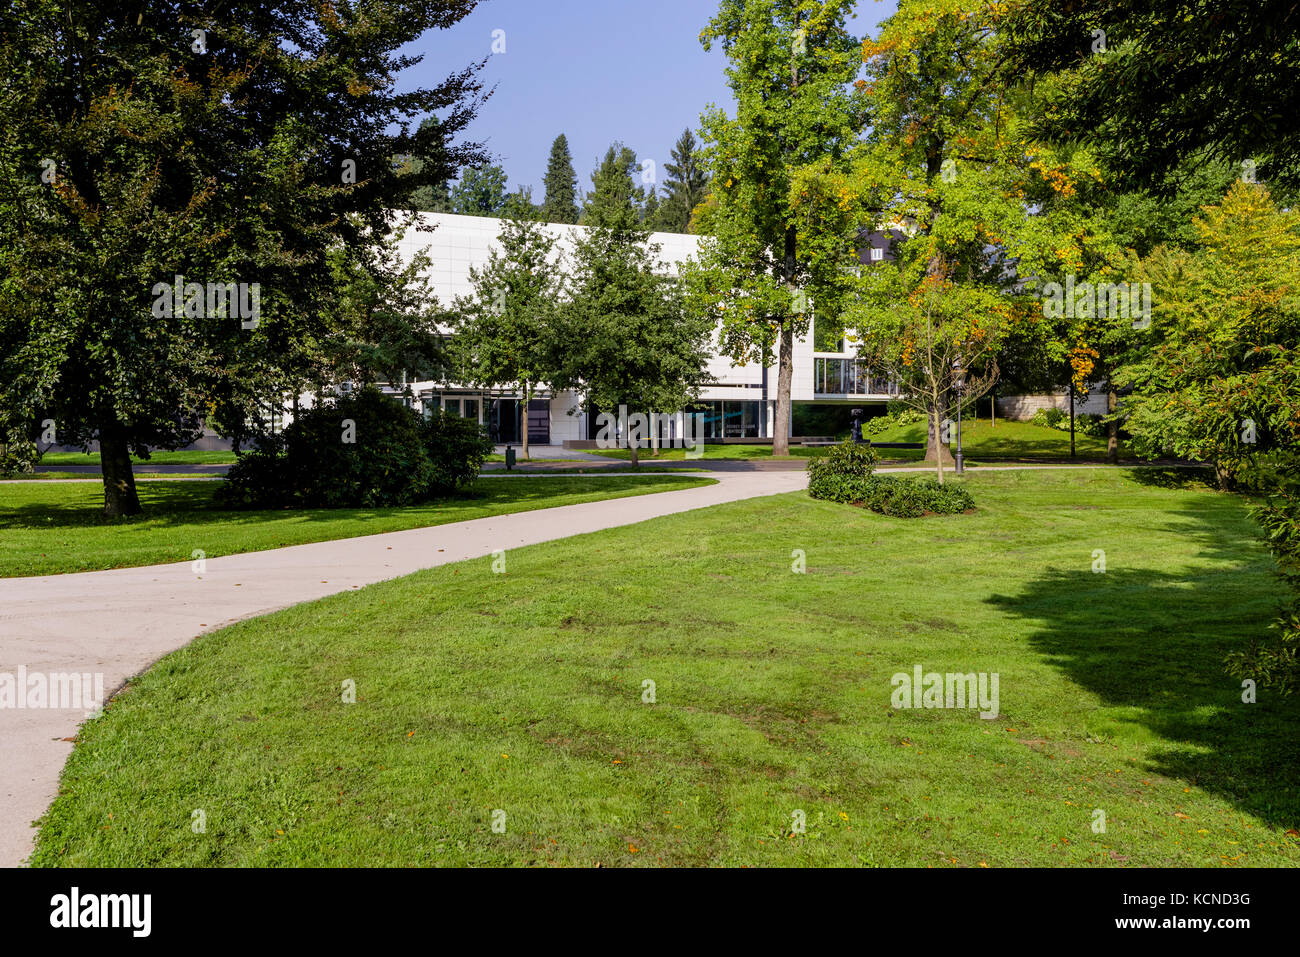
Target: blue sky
595 70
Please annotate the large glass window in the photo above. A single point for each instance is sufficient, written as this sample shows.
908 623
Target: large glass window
849 377
730 419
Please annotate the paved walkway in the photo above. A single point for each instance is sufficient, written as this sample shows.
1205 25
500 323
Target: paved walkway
120 622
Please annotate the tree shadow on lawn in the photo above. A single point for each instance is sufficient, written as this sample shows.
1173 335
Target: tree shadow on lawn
1155 642
167 504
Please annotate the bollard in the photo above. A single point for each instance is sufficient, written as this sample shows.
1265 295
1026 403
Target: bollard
510 458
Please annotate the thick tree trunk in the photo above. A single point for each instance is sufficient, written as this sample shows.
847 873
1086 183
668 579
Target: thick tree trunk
784 378
120 497
1112 427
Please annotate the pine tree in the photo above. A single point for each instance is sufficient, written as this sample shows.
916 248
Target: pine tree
615 196
561 202
685 186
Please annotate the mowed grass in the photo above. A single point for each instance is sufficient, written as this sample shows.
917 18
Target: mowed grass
182 457
981 441
51 528
524 693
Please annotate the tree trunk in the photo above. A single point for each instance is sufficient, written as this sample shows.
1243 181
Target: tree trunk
784 377
1112 427
932 442
1071 419
523 420
935 450
120 497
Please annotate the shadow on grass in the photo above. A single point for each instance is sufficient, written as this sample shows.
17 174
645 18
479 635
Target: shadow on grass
191 504
1154 642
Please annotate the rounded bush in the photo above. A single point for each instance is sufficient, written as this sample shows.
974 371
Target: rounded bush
846 460
363 451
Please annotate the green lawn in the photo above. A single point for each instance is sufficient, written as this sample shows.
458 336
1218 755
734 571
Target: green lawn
735 451
183 457
523 692
983 442
980 442
48 528
83 476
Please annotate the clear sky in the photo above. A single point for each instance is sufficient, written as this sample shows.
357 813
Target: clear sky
595 70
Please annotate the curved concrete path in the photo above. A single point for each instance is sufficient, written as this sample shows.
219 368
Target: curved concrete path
120 622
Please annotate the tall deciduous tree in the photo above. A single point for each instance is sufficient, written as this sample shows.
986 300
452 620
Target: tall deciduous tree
227 148
628 338
984 212
561 202
505 333
790 63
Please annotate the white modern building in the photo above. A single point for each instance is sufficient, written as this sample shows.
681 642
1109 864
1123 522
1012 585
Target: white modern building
739 404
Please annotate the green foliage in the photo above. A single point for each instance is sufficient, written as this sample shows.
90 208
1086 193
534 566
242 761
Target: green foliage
131 154
628 338
456 448
1168 80
891 495
685 186
561 185
615 199
480 191
1085 423
386 324
507 333
763 262
846 460
947 167
896 414
1220 380
310 465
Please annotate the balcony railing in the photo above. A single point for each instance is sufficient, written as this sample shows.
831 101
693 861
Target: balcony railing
849 377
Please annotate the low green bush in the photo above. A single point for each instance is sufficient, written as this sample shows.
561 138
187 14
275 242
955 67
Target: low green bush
1085 423
892 495
846 460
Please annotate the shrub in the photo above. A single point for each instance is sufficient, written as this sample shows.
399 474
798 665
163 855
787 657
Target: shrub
456 448
1085 423
1050 417
846 460
896 413
893 496
310 465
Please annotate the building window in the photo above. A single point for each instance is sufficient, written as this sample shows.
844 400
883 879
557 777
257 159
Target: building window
729 419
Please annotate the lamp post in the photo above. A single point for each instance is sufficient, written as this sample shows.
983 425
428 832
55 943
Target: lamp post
958 384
